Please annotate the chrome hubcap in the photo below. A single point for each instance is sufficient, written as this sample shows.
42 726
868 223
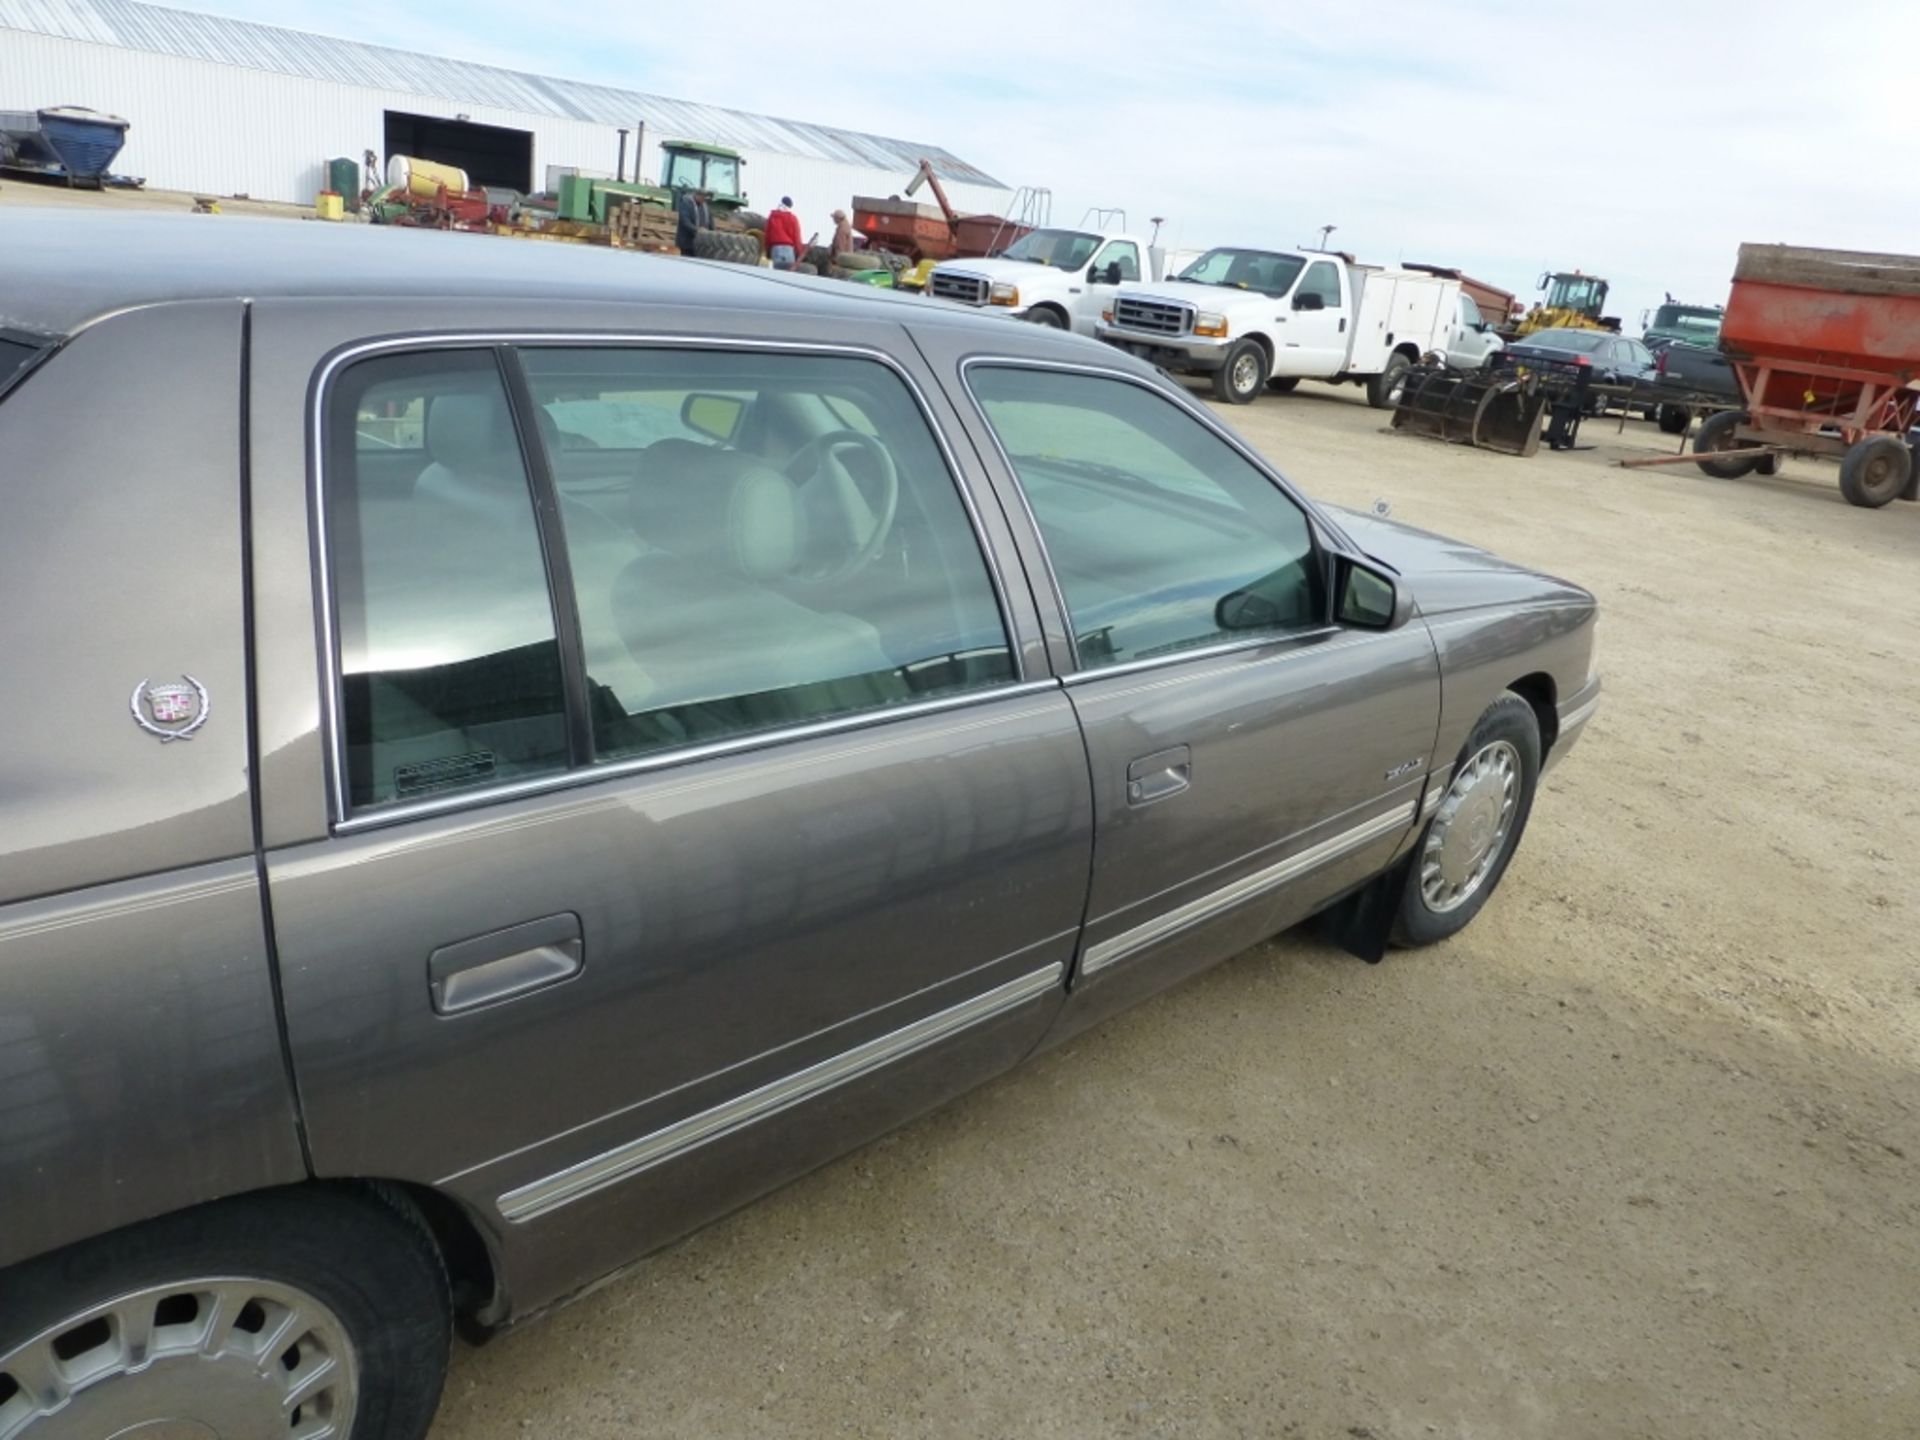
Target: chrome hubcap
208 1359
1470 829
1246 373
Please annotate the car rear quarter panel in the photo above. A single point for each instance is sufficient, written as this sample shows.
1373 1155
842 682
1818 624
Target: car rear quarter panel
140 1060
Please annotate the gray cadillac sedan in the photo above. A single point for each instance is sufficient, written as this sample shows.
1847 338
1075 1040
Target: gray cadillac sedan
512 751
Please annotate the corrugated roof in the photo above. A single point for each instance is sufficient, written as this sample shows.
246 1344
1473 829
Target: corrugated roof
158 29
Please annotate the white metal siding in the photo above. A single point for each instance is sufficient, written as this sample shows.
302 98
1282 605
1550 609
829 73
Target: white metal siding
217 129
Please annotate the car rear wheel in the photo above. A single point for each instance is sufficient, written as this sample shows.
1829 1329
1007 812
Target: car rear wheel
1716 433
1383 390
313 1315
1463 853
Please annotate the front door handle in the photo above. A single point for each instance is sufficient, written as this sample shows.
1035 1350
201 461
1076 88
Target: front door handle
505 963
1156 776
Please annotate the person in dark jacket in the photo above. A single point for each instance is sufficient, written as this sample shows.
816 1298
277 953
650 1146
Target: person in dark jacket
783 236
694 216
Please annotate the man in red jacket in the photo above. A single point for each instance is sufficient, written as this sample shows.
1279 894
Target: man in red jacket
783 235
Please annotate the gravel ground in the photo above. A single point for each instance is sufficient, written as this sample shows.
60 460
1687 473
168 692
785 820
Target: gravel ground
1633 1157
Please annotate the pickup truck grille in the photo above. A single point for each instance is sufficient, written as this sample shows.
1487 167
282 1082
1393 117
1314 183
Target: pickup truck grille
1152 317
967 289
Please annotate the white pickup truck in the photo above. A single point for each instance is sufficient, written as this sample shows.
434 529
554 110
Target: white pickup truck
1257 318
1062 278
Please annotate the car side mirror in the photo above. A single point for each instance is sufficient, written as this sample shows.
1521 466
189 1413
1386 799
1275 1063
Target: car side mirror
717 416
1370 597
1312 300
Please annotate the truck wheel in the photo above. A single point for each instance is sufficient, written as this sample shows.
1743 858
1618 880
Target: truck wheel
1383 390
1244 375
1674 419
1047 317
1461 856
1716 433
296 1312
1284 384
1875 471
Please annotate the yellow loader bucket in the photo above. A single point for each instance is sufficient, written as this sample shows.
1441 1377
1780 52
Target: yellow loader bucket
1488 412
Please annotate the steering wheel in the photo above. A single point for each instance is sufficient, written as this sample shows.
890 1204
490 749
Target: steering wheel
830 490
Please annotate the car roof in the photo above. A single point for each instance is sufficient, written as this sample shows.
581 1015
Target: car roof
66 268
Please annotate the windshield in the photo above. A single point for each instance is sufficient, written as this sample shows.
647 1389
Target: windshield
1262 270
1062 249
723 175
1687 318
1577 292
1579 341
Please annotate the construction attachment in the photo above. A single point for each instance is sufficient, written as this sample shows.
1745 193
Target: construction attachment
1487 411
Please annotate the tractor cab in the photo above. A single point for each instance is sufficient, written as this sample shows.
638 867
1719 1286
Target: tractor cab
689 165
1580 294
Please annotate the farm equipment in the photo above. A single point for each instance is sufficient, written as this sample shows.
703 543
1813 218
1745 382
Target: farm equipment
1826 345
1572 302
1487 409
61 141
427 195
931 232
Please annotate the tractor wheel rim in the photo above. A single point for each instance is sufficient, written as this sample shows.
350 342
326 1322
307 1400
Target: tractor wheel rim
210 1358
1470 830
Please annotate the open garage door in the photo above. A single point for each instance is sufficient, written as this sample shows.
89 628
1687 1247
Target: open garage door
490 154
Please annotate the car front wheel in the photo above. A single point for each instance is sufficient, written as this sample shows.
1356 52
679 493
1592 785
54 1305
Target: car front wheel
1463 853
311 1315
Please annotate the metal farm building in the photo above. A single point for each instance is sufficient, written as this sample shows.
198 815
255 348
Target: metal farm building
231 107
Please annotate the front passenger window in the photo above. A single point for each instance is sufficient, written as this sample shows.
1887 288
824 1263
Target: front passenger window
1161 535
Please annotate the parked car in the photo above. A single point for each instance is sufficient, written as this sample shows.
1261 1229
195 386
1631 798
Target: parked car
518 750
1252 319
1614 360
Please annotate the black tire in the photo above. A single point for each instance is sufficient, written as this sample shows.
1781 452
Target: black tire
1770 463
819 257
727 245
857 260
1716 433
1383 390
371 1263
1046 317
803 268
1283 384
1510 721
1875 471
1674 419
750 220
1244 375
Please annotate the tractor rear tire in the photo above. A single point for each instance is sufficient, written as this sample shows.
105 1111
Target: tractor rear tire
857 260
1716 433
1383 390
727 245
750 220
1875 471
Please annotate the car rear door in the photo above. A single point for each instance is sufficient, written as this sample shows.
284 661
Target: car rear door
1242 777
645 824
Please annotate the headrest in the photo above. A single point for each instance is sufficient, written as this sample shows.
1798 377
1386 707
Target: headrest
700 502
472 434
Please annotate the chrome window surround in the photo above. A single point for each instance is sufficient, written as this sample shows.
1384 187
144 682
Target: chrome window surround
1111 951
345 820
1316 525
530 1201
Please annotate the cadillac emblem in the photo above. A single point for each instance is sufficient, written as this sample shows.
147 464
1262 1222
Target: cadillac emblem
173 712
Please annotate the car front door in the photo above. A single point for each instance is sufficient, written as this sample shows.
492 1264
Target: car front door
686 773
1251 760
1472 340
1314 325
1118 261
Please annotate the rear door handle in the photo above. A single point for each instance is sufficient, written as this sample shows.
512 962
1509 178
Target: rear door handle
505 963
1156 776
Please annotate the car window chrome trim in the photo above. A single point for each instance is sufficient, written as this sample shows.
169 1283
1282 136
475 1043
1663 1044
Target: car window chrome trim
623 1162
1183 402
320 391
1299 642
1109 952
593 774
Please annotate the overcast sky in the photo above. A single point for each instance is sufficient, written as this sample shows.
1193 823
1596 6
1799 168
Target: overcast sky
1638 141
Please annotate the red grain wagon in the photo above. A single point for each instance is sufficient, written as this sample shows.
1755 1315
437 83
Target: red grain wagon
1826 344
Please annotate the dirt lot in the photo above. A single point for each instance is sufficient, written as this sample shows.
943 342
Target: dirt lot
1635 1156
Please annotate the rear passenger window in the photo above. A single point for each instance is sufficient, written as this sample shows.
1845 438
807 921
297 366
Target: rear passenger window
757 540
449 666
